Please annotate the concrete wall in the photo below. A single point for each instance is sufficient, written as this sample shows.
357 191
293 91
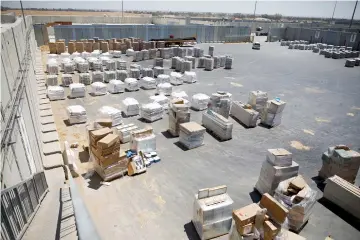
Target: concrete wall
147 32
41 34
21 156
91 19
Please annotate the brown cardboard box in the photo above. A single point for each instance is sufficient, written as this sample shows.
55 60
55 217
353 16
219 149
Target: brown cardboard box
270 229
246 229
108 141
96 46
104 122
298 183
105 161
276 211
60 47
79 47
71 47
104 47
96 135
52 48
88 47
245 215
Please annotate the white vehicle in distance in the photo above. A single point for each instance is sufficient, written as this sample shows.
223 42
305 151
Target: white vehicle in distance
256 45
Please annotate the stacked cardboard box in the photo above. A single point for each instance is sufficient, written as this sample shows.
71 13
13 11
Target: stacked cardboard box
212 212
191 135
217 124
341 161
244 113
277 167
272 113
343 194
220 102
178 113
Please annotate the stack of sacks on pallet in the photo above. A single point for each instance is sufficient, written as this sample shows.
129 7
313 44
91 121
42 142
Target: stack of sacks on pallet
51 80
272 113
152 53
163 78
98 88
121 75
117 54
97 65
220 102
277 167
76 114
145 54
151 111
159 62
176 78
130 52
191 135
110 65
160 99
244 113
200 101
189 77
257 100
217 124
187 66
165 53
174 61
201 62
66 80
131 107
147 72
138 56
192 60
178 113
222 61
158 71
121 65
55 93
343 194
164 88
69 67
209 64
85 55
124 131
77 90
180 95
52 66
215 206
143 140
135 73
111 113
228 62
341 161
116 86
83 67
296 195
216 62
97 76
131 84
109 75
148 83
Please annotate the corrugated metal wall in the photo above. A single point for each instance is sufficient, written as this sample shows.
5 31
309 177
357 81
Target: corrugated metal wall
147 32
92 19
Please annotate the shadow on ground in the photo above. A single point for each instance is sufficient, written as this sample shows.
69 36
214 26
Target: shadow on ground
191 231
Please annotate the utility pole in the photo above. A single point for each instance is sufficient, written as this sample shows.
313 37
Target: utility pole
332 17
122 8
22 10
352 18
255 9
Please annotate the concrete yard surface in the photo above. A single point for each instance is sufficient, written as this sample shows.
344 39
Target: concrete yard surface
320 93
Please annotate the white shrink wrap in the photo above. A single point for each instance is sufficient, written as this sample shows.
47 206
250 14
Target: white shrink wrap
148 83
272 113
145 54
69 67
192 60
200 101
116 86
228 62
201 62
110 65
187 66
109 75
112 113
151 111
129 52
135 73
55 93
145 143
163 78
159 62
220 102
216 123
180 65
97 76
117 54
66 80
77 90
52 56
121 75
104 60
147 72
138 56
97 65
179 95
160 99
85 55
131 107
51 80
52 67
176 78
211 50
152 53
84 78
165 53
164 88
98 88
174 61
83 67
189 77
222 61
158 71
121 65
257 100
75 55
131 84
209 64
76 114
247 116
95 53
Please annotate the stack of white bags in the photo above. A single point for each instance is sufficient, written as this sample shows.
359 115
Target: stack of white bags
116 86
148 83
131 107
176 78
121 64
181 94
189 77
83 67
98 88
110 65
109 75
84 78
77 90
52 80
164 88
76 114
161 99
200 101
163 78
151 111
66 80
112 113
131 84
55 93
97 76
52 66
121 75
69 67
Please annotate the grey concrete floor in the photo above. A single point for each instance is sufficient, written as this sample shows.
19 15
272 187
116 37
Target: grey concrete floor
323 109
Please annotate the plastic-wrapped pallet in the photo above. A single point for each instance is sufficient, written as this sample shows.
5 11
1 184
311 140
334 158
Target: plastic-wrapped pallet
110 65
98 88
147 72
151 111
217 124
135 73
228 62
138 56
66 80
145 54
78 60
84 78
104 60
131 84
190 52
52 80
124 132
180 65
178 113
176 78
158 71
245 114
97 65
68 68
160 99
350 63
209 64
117 54
109 75
52 56
152 53
95 53
257 100
220 102
83 67
179 95
52 67
272 113
135 66
121 65
165 53
121 75
91 61
182 52
192 60
216 62
211 50
131 107
222 61
163 78
77 90
196 52
130 52
76 114
85 55
174 61
357 61
55 93
200 101
216 207
159 62
97 76
164 88
187 66
189 77
201 62
191 135
111 113
148 83
143 140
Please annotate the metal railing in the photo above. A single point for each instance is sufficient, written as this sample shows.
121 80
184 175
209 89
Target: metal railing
19 205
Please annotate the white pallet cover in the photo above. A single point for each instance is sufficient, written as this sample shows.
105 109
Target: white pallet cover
148 83
109 75
131 84
75 55
217 124
160 99
84 78
98 88
190 77
145 54
104 60
163 78
147 72
180 65
209 64
138 56
158 71
144 144
200 101
121 64
52 67
76 114
86 55
77 90
83 67
110 65
180 94
55 93
151 111
248 117
135 73
176 78
112 113
116 86
165 53
51 80
164 88
116 54
68 68
97 65
66 80
78 60
220 102
121 75
95 53
97 76
131 107
129 52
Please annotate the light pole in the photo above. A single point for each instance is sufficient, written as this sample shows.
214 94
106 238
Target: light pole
255 9
332 17
352 18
